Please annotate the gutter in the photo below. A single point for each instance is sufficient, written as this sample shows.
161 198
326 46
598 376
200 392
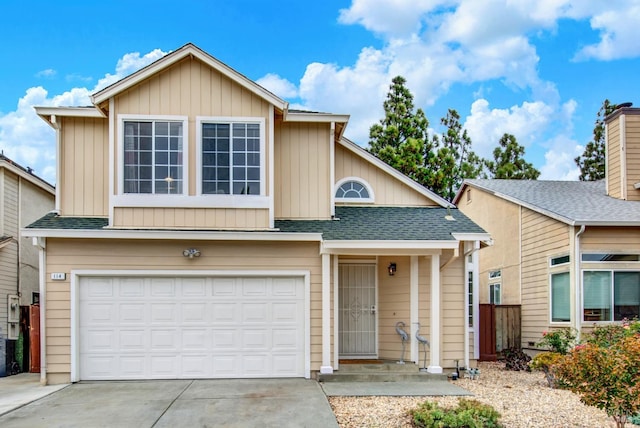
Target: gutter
578 282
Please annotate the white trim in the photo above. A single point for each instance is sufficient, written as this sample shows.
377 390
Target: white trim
41 243
57 199
203 235
389 244
354 148
332 168
112 159
414 307
76 275
358 180
120 156
336 312
434 353
471 236
305 116
476 301
185 201
46 113
272 167
176 56
326 367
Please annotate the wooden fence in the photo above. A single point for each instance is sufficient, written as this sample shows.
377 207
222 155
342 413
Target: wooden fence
499 330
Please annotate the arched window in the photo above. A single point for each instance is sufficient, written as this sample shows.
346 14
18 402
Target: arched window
353 190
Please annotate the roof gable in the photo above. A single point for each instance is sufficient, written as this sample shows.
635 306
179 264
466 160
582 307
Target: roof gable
174 57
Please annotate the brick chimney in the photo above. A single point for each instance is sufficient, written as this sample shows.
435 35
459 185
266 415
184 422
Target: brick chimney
623 153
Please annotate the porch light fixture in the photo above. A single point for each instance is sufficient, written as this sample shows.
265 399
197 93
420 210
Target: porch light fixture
191 253
392 269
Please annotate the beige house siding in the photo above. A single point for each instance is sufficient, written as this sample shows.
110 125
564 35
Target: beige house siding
613 159
504 254
302 176
70 254
453 288
632 125
387 189
191 218
84 167
542 238
611 240
394 306
9 253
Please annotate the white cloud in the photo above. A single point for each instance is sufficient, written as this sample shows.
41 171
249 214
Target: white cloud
559 160
278 85
48 73
29 141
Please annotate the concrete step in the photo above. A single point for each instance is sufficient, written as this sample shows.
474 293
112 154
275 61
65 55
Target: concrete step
387 372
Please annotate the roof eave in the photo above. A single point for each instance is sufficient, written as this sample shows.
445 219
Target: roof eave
315 117
46 113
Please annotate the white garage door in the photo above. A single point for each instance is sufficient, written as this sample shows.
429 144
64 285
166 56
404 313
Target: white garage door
160 328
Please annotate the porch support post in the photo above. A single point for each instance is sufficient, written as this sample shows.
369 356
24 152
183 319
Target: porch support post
434 363
414 308
326 315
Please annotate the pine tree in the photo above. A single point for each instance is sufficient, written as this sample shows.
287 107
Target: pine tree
508 161
592 160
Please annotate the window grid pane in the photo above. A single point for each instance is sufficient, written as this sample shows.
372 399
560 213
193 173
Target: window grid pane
216 177
353 190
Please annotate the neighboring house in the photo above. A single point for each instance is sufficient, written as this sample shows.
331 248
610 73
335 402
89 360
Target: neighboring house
24 197
206 230
567 251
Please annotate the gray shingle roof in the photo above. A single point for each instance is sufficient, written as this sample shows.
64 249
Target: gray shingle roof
386 223
573 202
352 223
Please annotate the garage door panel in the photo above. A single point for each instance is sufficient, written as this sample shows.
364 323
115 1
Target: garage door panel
162 328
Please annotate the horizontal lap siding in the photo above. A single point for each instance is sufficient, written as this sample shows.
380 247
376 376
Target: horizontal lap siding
632 156
9 253
542 238
302 178
387 189
84 174
192 218
67 255
613 159
611 239
453 289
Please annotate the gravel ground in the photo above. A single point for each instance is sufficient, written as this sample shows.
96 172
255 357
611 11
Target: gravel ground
523 399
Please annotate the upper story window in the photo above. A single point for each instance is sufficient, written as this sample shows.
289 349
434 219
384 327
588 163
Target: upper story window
603 257
232 156
353 190
558 261
494 274
153 156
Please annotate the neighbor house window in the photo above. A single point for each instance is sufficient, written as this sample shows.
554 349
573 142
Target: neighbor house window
495 296
610 295
153 156
353 190
231 160
560 297
495 274
557 261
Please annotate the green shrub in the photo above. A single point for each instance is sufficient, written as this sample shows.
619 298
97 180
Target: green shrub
560 340
546 362
468 414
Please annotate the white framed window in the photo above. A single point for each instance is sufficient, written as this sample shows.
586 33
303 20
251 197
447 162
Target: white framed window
608 257
610 295
560 297
559 261
495 295
231 161
152 153
353 189
495 274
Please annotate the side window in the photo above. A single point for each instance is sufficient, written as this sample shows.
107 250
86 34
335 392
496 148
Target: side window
560 297
495 296
353 190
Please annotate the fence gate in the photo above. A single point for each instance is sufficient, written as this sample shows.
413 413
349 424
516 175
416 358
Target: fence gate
499 330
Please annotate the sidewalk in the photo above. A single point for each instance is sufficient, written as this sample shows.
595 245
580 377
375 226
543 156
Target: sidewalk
21 389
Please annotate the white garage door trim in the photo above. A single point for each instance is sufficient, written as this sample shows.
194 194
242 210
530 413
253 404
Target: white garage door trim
76 275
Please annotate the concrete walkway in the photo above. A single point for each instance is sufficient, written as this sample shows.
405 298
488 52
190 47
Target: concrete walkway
180 403
21 389
428 388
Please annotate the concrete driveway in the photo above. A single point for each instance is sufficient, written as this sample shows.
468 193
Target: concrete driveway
180 403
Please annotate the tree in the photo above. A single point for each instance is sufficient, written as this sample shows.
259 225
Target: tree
449 159
508 161
592 160
399 138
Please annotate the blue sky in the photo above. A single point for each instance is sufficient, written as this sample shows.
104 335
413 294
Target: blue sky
536 69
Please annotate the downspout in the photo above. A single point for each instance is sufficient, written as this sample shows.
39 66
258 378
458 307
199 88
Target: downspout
56 126
578 282
41 243
476 247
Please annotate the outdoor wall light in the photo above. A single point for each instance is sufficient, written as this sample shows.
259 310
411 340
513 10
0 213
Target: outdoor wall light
392 269
191 253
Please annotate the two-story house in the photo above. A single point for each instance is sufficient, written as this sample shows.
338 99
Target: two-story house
24 197
204 230
567 251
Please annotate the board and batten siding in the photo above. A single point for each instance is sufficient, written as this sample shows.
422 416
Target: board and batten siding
387 189
302 176
452 288
393 306
542 238
191 218
65 255
504 254
613 159
632 151
84 167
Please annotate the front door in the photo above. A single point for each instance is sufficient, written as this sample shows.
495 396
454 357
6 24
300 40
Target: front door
357 302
